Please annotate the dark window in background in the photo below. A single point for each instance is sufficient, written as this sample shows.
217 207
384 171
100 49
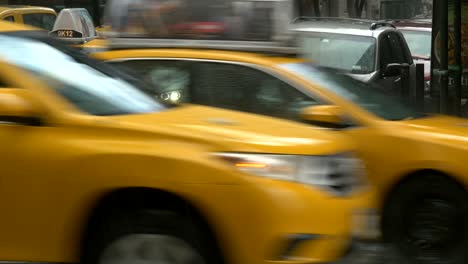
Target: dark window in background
9 18
45 21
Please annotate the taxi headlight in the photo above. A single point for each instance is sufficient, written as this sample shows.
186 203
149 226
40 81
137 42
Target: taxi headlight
172 96
340 174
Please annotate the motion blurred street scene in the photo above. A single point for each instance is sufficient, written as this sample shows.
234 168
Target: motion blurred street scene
234 131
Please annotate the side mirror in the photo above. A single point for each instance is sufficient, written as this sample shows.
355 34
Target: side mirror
74 25
324 115
392 70
15 108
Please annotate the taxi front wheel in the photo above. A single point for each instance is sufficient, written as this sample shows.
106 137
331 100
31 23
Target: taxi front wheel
426 220
147 236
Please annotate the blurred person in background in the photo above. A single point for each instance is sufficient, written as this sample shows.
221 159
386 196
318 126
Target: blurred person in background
116 13
135 21
234 23
161 15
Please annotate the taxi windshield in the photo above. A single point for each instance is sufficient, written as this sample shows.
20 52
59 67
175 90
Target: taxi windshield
87 88
367 96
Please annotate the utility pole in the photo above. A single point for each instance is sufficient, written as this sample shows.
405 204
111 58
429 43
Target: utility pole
443 31
458 60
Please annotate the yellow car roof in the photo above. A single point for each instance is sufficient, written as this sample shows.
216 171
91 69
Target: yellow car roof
239 56
6 26
23 7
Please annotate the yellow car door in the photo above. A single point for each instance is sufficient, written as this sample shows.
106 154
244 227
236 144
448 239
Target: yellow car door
29 158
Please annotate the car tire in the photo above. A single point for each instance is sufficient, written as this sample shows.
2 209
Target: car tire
148 236
426 220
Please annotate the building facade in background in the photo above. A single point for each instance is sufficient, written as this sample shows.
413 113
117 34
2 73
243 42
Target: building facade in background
369 9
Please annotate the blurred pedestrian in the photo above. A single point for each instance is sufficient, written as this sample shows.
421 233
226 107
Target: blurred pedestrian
161 15
116 14
234 25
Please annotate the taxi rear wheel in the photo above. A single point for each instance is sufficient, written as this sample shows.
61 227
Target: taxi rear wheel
147 237
426 220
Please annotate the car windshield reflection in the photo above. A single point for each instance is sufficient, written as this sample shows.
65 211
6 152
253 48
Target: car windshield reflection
89 89
327 50
367 96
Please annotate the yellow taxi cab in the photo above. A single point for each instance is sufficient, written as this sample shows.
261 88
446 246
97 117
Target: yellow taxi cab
92 46
45 18
36 16
94 170
416 161
13 27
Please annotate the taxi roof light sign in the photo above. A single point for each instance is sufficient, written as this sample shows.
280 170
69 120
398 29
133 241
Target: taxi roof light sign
203 21
74 25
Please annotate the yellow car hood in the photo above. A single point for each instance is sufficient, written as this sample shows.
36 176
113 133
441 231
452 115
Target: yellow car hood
442 128
236 131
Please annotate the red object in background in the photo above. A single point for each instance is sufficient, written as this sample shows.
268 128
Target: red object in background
199 28
208 27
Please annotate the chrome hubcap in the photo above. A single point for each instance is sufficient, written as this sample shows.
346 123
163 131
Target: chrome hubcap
150 249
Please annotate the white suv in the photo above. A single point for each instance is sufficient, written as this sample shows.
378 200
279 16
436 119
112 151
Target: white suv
372 51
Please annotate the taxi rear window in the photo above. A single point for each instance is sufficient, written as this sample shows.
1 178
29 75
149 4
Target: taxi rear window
40 20
9 18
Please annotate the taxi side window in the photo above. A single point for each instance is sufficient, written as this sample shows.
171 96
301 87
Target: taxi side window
168 80
243 88
44 21
9 18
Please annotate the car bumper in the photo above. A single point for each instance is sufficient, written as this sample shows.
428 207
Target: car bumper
359 252
272 221
365 252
